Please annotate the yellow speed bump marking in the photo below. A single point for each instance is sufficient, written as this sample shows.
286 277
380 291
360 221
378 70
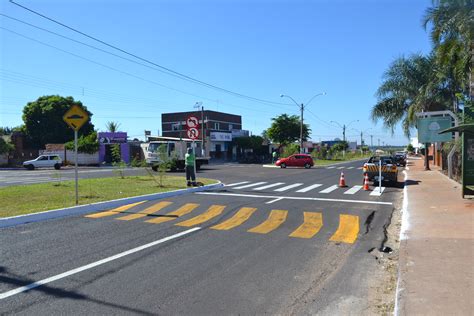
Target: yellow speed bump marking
183 210
348 229
239 218
274 220
213 211
150 210
114 211
311 225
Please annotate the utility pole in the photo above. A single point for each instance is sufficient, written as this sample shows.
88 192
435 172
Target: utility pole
301 128
344 133
361 143
378 141
371 141
202 131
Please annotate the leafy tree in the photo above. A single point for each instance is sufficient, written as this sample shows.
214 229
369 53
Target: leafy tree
5 147
112 126
88 144
44 123
340 146
253 142
410 148
290 149
285 129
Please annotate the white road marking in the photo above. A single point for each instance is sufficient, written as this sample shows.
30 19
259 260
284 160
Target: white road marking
340 168
330 189
269 186
273 201
291 186
249 185
376 191
360 168
238 183
93 264
353 190
330 167
311 187
350 168
294 198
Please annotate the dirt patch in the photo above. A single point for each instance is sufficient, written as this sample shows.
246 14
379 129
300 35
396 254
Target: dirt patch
383 283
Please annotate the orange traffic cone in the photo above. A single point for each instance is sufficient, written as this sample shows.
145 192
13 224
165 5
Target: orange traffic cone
342 181
366 182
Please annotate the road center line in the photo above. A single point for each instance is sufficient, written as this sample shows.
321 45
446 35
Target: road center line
275 197
94 264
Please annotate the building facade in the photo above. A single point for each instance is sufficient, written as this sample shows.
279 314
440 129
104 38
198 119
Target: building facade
219 129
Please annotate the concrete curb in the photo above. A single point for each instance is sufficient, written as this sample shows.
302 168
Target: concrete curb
99 206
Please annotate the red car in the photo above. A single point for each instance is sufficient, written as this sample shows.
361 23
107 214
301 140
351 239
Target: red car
297 160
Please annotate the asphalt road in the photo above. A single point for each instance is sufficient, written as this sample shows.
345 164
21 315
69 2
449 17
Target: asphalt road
255 246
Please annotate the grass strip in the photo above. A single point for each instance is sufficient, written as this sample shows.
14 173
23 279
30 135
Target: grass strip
33 198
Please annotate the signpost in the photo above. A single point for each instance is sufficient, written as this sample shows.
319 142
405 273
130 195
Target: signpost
75 117
192 123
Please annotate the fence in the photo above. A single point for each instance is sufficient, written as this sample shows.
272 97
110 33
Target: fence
68 156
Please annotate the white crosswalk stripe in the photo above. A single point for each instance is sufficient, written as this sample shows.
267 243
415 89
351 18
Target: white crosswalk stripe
330 167
360 168
249 185
309 188
330 189
291 186
350 168
353 190
238 183
269 186
340 168
377 192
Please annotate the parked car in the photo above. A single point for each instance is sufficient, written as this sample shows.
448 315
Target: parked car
44 161
400 159
297 160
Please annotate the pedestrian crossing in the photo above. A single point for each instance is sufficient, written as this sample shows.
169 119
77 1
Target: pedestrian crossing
279 187
312 222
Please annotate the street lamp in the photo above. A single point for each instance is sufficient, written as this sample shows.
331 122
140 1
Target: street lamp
301 106
344 126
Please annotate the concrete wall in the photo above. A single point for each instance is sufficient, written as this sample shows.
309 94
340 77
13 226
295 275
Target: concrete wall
82 159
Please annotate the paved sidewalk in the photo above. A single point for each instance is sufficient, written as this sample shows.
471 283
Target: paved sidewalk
436 268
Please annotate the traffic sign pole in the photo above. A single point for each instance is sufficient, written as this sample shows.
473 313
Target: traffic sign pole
75 167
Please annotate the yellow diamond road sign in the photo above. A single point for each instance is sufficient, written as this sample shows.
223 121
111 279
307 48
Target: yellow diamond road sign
76 117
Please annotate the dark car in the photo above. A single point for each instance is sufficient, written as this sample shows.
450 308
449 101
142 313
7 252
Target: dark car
389 170
297 160
400 160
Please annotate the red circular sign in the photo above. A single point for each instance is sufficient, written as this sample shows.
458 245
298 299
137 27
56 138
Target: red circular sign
193 133
192 122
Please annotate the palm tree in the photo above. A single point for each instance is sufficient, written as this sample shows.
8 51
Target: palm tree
451 32
410 85
112 126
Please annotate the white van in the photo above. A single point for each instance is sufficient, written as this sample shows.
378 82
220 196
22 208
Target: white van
44 161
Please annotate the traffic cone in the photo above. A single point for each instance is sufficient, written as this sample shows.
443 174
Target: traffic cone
366 183
342 181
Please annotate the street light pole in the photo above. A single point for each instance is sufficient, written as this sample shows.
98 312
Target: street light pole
301 106
344 132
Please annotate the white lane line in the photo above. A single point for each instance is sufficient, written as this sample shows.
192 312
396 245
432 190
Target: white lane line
291 186
269 186
350 168
330 167
330 189
249 185
353 190
311 187
238 183
360 168
273 201
94 264
376 191
340 168
294 198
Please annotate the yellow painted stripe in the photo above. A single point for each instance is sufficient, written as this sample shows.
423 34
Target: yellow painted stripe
114 211
213 211
183 210
310 227
348 229
238 219
275 219
150 210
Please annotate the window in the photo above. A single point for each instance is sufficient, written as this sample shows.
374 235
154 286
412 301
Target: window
43 158
217 126
176 127
231 127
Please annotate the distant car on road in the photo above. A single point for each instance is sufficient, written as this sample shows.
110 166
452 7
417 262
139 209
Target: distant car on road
297 160
44 161
400 159
389 169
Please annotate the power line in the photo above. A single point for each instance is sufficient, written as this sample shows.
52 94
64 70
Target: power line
167 70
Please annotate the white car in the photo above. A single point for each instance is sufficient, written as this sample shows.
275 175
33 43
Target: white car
44 161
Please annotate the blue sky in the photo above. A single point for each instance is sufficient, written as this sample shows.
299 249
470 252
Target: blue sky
257 48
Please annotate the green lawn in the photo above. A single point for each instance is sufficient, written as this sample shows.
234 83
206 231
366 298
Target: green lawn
324 162
25 199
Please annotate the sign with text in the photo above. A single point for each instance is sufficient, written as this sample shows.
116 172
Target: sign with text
221 137
429 127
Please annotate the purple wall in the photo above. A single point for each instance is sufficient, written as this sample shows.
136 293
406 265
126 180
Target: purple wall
108 138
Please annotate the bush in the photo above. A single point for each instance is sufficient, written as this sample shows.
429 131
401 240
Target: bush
290 149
